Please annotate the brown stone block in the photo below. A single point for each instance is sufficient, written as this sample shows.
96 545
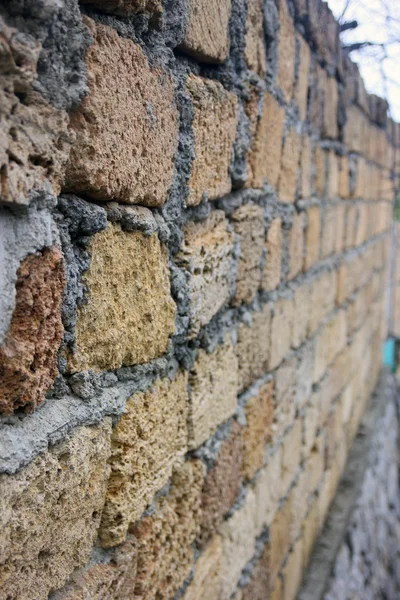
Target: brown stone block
281 331
301 89
128 300
253 347
259 412
289 167
50 512
222 484
121 84
28 355
317 94
273 262
249 224
128 7
286 52
313 237
296 245
148 441
207 35
254 52
214 125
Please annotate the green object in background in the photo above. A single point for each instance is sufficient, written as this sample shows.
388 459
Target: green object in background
389 354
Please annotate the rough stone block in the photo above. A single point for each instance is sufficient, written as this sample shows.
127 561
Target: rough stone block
267 490
310 529
249 224
314 464
293 572
296 245
253 347
206 584
273 262
207 35
121 84
281 330
330 121
259 412
147 442
280 537
350 226
291 455
319 171
206 254
259 585
301 317
28 355
285 391
323 294
332 187
129 300
214 125
214 383
329 342
328 237
301 89
305 167
254 52
286 52
222 484
165 538
50 512
289 167
344 177
313 236
340 228
264 158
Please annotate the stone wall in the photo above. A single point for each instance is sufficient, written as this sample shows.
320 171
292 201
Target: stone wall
196 205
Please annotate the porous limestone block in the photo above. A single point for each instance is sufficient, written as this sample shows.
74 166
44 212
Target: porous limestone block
285 392
259 585
280 537
267 490
206 584
291 455
147 442
253 347
301 316
313 236
329 343
296 245
281 331
129 315
50 513
273 262
301 89
289 168
254 53
249 225
207 35
323 295
118 156
286 52
305 167
257 433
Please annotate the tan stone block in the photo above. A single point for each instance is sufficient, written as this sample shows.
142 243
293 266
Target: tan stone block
50 512
165 538
311 423
206 584
323 296
296 245
334 434
254 52
298 498
34 137
207 35
273 262
267 490
329 342
214 384
344 177
293 571
314 465
350 226
214 125
305 372
301 309
333 174
289 167
317 94
206 254
259 584
249 224
330 121
305 167
253 347
328 237
301 89
128 7
129 314
280 537
310 531
277 590
238 539
121 84
362 225
320 171
286 52
285 390
291 455
259 412
281 331
222 484
264 158
28 355
313 236
340 227
148 441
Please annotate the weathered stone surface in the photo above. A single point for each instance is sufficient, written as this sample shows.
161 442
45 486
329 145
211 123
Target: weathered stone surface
130 314
301 89
259 412
28 355
280 537
313 236
214 125
254 53
207 37
330 126
285 395
127 7
329 342
273 262
296 245
253 347
214 383
206 584
264 157
34 137
291 455
328 237
302 309
165 538
50 512
281 331
305 167
267 490
259 585
222 484
319 171
286 52
116 156
149 440
289 168
323 296
206 254
249 224
292 572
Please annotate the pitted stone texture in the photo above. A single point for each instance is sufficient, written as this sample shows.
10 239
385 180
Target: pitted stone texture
50 512
289 167
112 580
273 262
129 314
148 441
165 538
34 137
207 255
126 128
127 7
214 125
254 53
259 412
253 347
214 386
206 584
264 157
286 52
207 36
249 224
222 484
28 355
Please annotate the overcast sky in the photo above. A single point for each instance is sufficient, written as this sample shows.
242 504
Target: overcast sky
379 22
